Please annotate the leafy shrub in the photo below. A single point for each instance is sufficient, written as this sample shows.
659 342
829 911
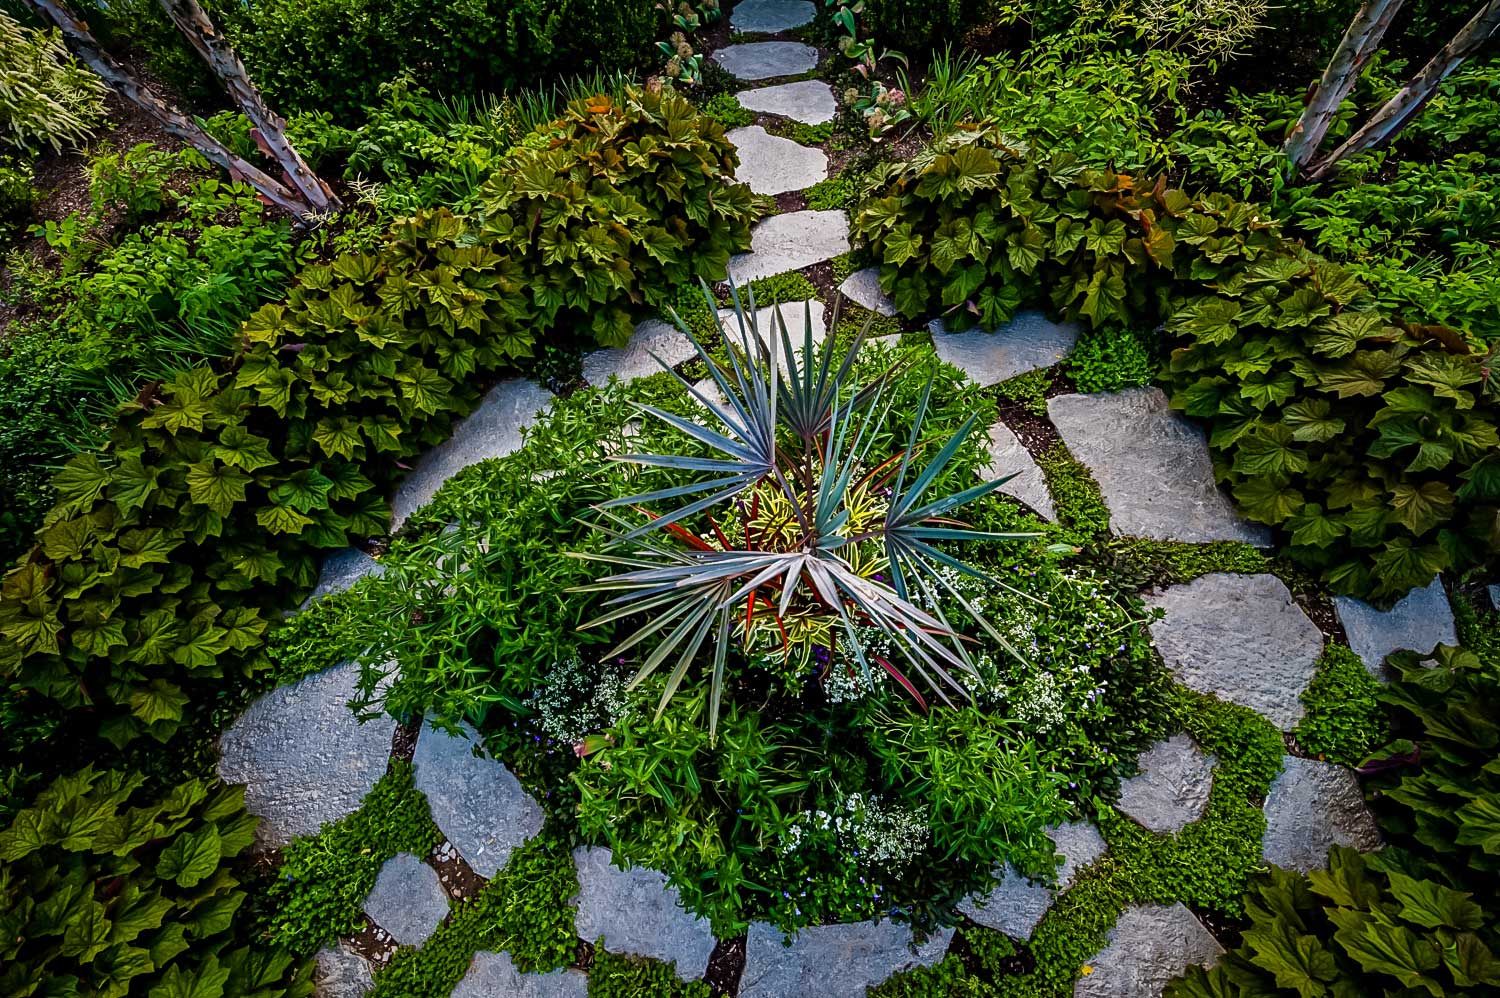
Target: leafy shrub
334 55
1109 359
106 888
1345 721
727 111
1364 926
324 879
46 97
916 24
1373 445
17 198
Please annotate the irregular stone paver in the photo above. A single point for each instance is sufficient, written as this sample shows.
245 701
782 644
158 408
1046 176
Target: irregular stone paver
636 912
1016 904
341 570
766 60
832 961
1152 465
339 972
863 288
1149 945
1008 456
808 101
1026 343
408 900
476 801
1495 597
492 430
1313 806
1421 621
634 359
303 757
791 241
493 975
1241 637
770 164
1171 790
794 315
771 16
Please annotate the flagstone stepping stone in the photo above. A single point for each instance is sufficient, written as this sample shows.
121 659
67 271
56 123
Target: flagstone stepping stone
492 430
1017 904
1152 465
636 912
339 972
863 288
408 900
1026 343
770 164
1313 806
493 975
1421 621
341 570
1494 597
795 316
479 805
1242 638
771 16
767 60
791 241
634 359
303 757
1171 791
1008 456
832 961
808 101
1149 945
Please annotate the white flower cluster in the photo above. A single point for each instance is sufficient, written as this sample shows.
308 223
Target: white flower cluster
869 830
578 699
1040 702
846 677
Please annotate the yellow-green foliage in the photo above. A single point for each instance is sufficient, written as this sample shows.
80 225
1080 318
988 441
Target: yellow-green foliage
46 98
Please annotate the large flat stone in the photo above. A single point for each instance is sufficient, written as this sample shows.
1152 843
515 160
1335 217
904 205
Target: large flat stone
339 972
1008 456
493 975
1028 342
1242 638
1313 806
767 60
1152 465
478 803
1017 903
652 339
832 961
770 164
791 241
1171 790
771 16
408 900
863 288
808 101
1421 621
492 430
341 570
1149 945
303 757
636 912
799 319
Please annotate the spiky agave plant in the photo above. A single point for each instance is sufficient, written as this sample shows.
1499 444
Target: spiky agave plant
803 525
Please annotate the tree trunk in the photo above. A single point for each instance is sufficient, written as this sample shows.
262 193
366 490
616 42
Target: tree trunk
215 49
1398 112
83 44
1360 42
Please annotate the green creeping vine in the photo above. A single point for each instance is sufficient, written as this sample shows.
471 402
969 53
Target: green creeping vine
631 977
1345 721
1081 513
105 890
171 553
324 879
1371 444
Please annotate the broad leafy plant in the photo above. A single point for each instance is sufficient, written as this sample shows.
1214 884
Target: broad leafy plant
806 532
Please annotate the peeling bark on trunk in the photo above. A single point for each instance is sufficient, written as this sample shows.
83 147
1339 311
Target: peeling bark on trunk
87 48
1359 44
1386 123
215 49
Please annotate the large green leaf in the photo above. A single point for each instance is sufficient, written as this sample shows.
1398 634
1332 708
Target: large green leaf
190 857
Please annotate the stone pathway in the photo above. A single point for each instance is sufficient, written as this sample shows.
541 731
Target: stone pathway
1243 638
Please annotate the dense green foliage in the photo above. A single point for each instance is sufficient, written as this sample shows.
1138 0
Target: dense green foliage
46 97
626 977
105 890
1345 721
324 879
1276 348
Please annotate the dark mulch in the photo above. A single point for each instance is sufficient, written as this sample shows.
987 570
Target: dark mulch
455 874
404 741
373 943
725 967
